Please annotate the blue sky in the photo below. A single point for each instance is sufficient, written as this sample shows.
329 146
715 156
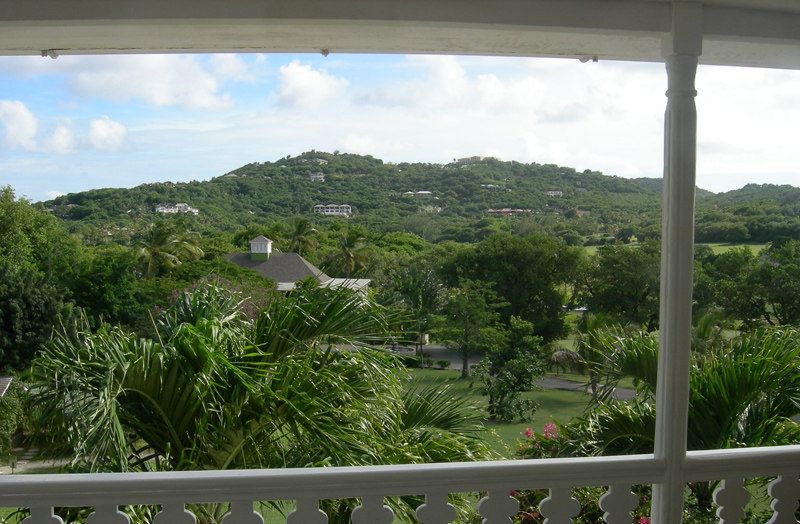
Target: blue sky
83 122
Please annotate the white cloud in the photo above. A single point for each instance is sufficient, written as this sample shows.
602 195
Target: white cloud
62 140
106 135
231 67
159 80
53 194
301 86
20 125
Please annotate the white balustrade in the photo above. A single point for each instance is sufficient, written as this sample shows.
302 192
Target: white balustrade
174 514
559 507
173 491
731 497
307 512
785 492
436 509
498 507
617 503
242 512
42 515
372 511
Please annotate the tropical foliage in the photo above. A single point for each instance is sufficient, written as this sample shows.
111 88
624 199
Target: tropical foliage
742 393
510 368
217 390
166 246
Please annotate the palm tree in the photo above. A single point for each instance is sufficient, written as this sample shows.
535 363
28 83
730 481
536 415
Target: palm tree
219 391
302 236
708 330
351 255
742 393
588 356
418 289
163 247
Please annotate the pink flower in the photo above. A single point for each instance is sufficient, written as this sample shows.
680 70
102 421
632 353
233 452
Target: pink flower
512 492
528 432
644 520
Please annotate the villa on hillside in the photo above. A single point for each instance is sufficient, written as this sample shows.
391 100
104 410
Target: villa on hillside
337 210
180 207
286 269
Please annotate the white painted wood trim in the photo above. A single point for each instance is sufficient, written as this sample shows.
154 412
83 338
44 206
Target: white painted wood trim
681 49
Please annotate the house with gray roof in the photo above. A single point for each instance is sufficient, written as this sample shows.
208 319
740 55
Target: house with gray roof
286 269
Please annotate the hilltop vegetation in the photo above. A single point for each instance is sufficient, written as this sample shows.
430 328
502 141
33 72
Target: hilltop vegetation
437 202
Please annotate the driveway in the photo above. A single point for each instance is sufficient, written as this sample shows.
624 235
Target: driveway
438 352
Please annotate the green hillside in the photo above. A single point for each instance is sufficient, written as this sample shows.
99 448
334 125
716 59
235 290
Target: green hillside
436 201
381 194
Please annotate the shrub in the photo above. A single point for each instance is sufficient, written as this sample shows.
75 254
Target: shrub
444 364
10 418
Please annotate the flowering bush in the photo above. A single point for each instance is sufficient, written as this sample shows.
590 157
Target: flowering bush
551 443
548 444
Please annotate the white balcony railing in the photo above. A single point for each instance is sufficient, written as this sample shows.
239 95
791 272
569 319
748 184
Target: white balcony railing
172 491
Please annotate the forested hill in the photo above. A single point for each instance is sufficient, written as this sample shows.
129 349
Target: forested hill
382 191
427 199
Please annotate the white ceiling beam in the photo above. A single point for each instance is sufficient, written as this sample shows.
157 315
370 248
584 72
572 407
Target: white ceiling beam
737 31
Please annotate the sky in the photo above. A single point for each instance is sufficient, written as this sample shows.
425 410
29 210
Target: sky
84 122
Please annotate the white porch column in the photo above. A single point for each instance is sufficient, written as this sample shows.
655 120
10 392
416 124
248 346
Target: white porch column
681 50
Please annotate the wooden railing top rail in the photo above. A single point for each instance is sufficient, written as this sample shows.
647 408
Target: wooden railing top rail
324 483
341 482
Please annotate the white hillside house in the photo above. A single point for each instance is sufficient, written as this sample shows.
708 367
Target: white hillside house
336 210
181 207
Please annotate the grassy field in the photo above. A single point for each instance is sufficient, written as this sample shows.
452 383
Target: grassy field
723 247
502 437
716 247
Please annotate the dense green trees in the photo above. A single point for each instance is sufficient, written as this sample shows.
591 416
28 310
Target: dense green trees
752 289
624 282
35 266
510 367
470 312
531 274
217 389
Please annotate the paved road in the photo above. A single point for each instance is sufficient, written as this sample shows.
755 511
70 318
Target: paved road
442 353
27 462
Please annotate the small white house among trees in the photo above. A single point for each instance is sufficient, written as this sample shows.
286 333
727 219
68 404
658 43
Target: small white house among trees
340 210
181 207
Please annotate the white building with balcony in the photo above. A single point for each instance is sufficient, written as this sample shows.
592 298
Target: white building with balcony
180 207
336 210
679 33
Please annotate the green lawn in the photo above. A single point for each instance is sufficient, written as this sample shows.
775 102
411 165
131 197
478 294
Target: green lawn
722 247
502 437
